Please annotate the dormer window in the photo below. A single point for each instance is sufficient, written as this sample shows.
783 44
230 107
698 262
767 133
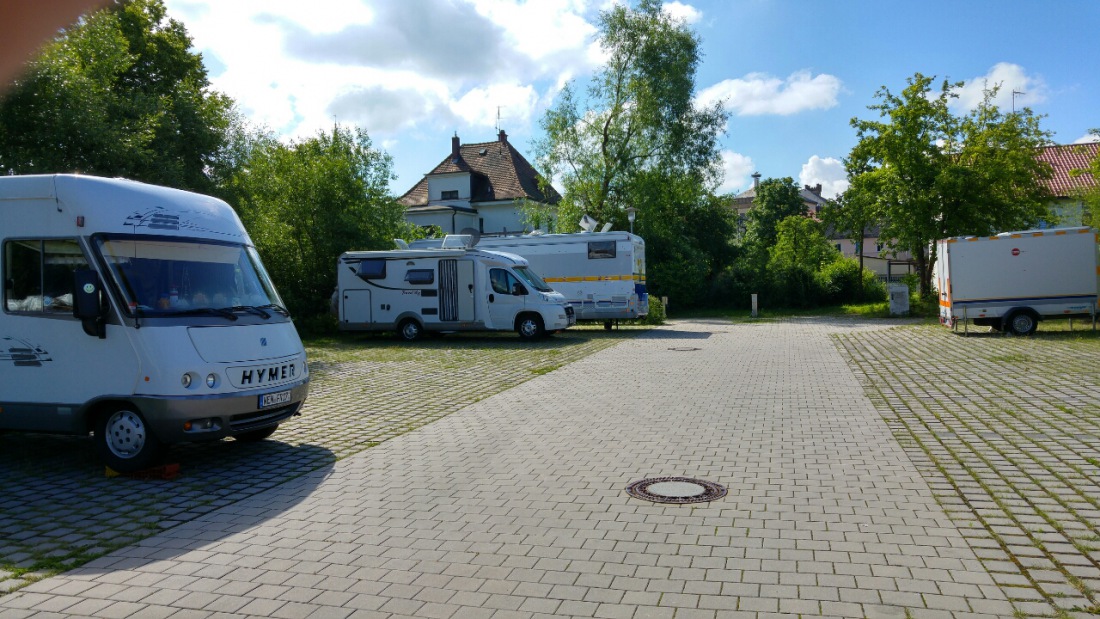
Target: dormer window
449 195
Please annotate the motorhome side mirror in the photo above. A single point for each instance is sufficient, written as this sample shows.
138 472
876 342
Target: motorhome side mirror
88 302
518 289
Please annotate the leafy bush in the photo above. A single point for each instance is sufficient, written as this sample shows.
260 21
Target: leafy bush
656 314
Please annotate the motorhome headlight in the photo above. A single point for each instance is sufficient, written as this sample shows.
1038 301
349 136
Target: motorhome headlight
186 380
211 380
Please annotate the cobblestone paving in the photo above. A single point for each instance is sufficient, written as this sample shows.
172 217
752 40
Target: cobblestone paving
58 510
515 506
1007 433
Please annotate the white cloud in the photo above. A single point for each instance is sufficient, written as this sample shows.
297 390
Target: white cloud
1088 138
758 93
479 106
736 169
390 66
828 171
1030 89
682 11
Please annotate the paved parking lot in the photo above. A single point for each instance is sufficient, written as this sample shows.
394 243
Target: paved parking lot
867 478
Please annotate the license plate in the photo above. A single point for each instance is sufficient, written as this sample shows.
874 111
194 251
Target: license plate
273 399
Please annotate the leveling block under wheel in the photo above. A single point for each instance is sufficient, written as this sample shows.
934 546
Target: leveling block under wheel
163 471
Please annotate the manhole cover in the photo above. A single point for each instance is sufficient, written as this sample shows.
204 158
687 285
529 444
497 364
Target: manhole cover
685 348
675 490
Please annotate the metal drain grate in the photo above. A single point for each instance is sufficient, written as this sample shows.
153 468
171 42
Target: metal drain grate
677 490
685 348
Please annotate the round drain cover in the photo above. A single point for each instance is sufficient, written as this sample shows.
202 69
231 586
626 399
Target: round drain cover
675 490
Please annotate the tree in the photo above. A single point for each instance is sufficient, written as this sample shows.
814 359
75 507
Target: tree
306 203
931 175
119 94
776 199
639 116
852 214
1091 196
801 242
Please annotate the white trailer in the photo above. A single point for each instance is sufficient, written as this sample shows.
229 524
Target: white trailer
139 313
1013 280
601 274
444 290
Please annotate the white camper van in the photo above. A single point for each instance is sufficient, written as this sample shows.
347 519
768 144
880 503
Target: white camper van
139 313
440 290
601 274
1011 281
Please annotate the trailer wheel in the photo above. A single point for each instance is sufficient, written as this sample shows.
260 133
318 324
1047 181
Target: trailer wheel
1021 322
410 330
124 441
530 327
256 436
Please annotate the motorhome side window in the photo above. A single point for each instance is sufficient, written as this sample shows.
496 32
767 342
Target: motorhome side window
372 268
38 275
502 281
420 277
601 249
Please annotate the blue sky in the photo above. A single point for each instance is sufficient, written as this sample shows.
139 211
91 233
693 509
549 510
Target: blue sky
792 73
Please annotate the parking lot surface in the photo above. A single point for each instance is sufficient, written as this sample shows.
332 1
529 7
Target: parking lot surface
850 494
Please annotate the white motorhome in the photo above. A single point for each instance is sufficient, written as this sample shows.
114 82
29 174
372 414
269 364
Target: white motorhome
1011 281
440 290
141 314
601 274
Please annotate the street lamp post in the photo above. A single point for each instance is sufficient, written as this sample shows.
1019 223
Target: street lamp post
631 214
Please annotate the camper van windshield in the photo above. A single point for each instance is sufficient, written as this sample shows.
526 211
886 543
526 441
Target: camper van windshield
162 277
532 278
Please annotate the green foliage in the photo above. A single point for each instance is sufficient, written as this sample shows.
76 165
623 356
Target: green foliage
844 281
638 119
656 315
119 94
929 174
776 200
1091 196
306 203
800 241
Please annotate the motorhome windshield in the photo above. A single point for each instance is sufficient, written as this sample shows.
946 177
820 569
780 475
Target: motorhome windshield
532 278
163 277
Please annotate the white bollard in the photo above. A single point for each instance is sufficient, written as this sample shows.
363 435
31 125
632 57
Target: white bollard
754 305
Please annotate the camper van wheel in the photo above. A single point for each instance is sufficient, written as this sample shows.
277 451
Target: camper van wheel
530 327
256 435
607 325
1021 322
409 330
124 441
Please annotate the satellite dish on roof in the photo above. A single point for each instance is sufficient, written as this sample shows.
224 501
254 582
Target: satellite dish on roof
473 233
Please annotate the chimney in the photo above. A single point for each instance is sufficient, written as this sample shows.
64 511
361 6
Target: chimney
816 189
454 148
503 137
755 180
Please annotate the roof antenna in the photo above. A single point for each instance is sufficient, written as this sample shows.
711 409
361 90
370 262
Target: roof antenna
498 119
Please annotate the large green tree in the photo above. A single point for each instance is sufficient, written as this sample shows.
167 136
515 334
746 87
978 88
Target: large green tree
307 202
118 94
776 199
638 116
1091 196
931 174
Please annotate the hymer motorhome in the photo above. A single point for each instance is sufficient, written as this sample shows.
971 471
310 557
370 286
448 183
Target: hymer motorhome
140 314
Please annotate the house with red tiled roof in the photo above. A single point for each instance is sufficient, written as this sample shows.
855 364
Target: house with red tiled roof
1067 188
479 186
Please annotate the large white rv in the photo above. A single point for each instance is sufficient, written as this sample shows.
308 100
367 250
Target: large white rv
1011 281
141 314
440 290
601 274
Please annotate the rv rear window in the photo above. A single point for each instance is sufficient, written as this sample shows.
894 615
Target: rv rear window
601 249
372 268
420 276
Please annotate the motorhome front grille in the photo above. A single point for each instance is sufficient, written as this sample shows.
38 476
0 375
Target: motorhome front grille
249 421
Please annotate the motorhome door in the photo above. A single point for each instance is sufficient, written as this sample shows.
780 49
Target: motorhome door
456 290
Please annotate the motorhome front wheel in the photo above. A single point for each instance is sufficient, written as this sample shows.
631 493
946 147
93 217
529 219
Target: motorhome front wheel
530 327
124 441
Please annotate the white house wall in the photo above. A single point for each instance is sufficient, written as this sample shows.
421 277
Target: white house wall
439 183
